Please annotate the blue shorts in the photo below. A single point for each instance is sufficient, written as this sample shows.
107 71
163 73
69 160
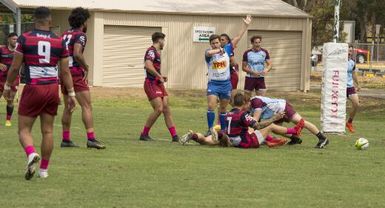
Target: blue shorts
221 89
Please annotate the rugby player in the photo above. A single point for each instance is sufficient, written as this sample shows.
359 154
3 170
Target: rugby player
75 39
6 56
155 90
234 67
351 91
237 133
257 64
265 108
40 50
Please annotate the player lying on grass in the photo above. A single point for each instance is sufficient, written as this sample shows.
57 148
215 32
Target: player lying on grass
266 108
238 132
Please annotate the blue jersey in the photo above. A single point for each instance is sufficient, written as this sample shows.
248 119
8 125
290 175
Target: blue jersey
219 64
351 69
256 60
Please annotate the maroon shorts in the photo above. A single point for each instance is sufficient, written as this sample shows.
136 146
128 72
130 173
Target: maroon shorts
234 76
38 99
249 141
255 83
14 85
289 113
79 85
350 91
154 89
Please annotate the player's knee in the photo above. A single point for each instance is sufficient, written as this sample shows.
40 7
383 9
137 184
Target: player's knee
159 109
211 106
166 109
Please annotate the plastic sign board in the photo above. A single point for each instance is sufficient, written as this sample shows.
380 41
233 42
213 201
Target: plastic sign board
201 34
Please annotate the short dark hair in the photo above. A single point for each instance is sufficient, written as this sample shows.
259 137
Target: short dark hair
41 14
226 36
252 39
239 99
13 34
156 36
213 37
78 17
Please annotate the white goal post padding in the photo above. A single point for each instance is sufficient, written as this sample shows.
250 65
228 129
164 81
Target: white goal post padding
333 90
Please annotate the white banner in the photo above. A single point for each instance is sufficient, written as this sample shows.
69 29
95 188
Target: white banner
334 80
201 33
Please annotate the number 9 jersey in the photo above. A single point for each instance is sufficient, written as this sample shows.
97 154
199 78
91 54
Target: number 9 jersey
42 50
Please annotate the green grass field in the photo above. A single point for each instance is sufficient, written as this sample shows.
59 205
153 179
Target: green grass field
130 173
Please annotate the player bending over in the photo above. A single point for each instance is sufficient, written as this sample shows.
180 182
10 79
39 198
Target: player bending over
265 108
238 131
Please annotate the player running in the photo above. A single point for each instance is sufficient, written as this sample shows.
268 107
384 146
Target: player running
155 90
234 67
6 56
76 39
40 50
237 133
265 108
257 64
351 91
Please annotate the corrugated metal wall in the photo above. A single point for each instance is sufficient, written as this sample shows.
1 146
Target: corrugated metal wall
123 55
183 60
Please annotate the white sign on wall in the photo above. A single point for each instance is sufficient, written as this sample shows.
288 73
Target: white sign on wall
201 34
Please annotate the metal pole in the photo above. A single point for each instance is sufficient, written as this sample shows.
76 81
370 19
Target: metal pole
18 21
336 36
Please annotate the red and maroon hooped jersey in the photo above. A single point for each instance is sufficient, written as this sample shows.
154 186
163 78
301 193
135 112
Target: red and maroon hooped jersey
6 57
153 56
239 122
71 37
42 51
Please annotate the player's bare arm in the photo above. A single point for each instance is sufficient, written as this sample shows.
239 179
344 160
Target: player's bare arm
265 123
79 57
246 68
212 52
149 65
268 67
246 22
67 81
3 67
12 74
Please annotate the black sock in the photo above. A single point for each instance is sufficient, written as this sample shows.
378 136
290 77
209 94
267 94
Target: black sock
292 137
320 136
9 110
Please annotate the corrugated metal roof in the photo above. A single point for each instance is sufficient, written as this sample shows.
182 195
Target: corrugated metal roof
214 7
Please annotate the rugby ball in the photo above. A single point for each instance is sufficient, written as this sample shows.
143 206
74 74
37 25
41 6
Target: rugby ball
361 144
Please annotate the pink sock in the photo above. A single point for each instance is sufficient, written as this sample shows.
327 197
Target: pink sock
29 150
90 135
269 138
66 136
9 117
44 164
146 130
172 131
291 131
